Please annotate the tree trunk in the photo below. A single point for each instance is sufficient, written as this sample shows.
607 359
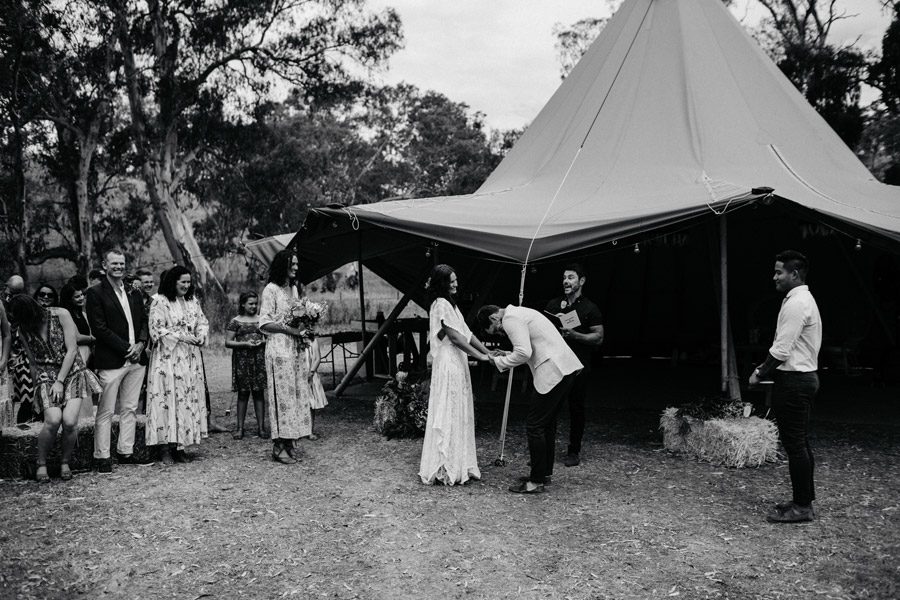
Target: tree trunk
157 156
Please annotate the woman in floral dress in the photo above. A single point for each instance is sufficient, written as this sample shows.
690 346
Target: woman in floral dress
7 407
286 366
248 361
61 379
176 404
448 451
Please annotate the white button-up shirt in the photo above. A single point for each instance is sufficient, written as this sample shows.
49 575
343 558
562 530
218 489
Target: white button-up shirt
123 300
798 335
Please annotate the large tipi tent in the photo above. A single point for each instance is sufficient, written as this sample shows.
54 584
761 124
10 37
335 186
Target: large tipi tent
673 117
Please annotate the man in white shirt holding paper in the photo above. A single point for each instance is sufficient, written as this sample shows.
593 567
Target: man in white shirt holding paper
792 364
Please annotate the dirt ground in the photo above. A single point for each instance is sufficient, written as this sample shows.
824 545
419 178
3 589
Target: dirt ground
351 520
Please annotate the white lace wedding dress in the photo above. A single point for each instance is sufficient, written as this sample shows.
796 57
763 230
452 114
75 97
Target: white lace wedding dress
448 452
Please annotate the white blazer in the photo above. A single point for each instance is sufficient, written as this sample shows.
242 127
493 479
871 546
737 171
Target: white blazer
536 341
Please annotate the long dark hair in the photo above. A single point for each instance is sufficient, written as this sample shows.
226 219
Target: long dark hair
279 270
167 286
75 284
439 284
243 300
26 313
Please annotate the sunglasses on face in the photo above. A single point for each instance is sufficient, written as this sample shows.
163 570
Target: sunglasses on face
45 294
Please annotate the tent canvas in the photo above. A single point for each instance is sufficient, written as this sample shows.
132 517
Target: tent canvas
673 118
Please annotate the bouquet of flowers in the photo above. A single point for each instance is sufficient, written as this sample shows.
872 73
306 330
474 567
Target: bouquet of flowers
401 410
305 314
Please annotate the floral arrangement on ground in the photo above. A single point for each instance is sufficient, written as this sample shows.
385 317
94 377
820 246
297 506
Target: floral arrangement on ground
401 410
722 433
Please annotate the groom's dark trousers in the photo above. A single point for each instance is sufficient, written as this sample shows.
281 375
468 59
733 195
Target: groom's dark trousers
540 427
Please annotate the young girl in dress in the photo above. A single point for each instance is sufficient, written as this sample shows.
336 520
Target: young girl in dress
317 392
248 361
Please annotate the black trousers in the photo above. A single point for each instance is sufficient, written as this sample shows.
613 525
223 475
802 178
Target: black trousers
792 403
577 417
540 427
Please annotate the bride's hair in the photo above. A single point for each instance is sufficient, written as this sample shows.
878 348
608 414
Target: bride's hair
438 285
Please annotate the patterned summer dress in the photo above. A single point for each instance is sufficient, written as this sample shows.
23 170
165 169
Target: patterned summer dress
176 399
286 369
48 354
317 391
248 365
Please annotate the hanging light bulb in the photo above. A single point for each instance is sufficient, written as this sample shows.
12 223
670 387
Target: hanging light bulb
858 245
637 249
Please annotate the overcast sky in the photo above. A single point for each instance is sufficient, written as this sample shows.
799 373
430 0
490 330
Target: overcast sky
498 56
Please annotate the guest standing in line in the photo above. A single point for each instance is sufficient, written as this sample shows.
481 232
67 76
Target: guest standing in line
792 365
248 362
7 406
288 391
119 324
46 295
62 380
448 451
176 407
72 298
318 400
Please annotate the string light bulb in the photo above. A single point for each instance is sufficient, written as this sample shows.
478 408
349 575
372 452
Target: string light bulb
858 245
637 249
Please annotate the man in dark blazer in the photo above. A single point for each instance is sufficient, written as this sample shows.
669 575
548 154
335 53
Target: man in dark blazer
119 322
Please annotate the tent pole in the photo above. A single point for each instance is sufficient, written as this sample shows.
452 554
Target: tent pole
362 300
501 461
723 304
367 352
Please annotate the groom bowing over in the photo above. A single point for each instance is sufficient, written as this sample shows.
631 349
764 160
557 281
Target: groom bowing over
553 365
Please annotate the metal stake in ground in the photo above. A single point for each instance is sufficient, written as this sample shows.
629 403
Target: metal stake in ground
501 462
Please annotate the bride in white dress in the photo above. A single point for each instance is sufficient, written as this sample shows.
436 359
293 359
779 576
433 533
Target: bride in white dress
448 452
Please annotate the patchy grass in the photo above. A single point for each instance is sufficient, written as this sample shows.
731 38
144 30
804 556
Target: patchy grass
352 520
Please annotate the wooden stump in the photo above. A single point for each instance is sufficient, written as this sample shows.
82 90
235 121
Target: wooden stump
18 448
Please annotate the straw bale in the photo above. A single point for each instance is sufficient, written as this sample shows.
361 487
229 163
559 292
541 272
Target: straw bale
733 442
18 448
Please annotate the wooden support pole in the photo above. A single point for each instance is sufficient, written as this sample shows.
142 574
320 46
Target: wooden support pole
354 369
723 301
362 304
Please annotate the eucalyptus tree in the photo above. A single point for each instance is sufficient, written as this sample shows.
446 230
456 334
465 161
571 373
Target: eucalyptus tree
192 65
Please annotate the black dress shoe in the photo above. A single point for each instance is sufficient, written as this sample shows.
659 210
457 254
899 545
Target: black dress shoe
104 465
126 459
526 487
792 514
548 480
572 460
181 456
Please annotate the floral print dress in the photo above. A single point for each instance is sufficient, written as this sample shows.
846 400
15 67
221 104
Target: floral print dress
248 365
176 400
286 368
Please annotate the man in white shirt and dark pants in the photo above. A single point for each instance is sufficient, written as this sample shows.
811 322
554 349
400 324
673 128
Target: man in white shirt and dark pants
792 364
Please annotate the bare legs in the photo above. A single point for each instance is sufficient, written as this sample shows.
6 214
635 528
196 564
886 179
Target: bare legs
53 417
258 407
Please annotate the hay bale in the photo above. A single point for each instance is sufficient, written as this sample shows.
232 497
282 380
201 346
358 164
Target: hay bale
18 448
732 442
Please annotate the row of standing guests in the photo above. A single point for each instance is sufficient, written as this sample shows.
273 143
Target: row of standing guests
134 339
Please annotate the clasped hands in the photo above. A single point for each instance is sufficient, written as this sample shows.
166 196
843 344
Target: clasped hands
492 355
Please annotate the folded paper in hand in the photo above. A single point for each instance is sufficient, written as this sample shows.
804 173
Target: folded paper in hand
568 320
